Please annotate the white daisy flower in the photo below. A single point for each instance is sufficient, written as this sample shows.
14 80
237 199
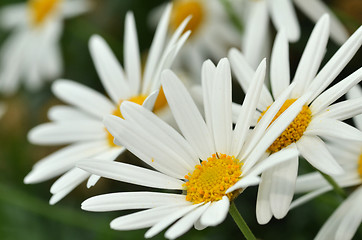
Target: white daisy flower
212 32
32 52
208 162
255 40
344 222
80 124
318 117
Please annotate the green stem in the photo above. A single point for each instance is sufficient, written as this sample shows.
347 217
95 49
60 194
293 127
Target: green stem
335 185
241 222
232 15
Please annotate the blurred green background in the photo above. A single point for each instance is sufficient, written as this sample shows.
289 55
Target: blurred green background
24 209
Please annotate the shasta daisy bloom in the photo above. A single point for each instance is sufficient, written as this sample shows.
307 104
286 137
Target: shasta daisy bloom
208 162
32 52
346 219
318 118
256 39
80 124
212 33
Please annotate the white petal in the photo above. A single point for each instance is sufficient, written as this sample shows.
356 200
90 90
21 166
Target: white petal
221 107
67 113
335 65
74 8
207 81
282 188
132 63
144 219
12 58
63 160
74 177
314 9
263 211
244 182
354 93
149 102
312 56
244 73
279 65
353 216
335 92
254 37
82 97
130 174
286 154
333 128
130 200
109 70
169 219
140 118
56 133
156 48
60 195
315 152
53 62
284 17
167 59
309 181
216 213
187 116
185 223
109 155
13 15
147 146
248 109
343 110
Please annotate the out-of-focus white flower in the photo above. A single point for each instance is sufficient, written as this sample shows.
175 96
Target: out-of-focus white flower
344 222
207 162
212 32
255 41
80 124
318 117
32 50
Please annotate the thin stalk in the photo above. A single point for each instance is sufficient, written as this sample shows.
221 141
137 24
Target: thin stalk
334 184
241 222
232 15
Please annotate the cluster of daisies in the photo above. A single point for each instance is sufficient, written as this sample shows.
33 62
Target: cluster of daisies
199 148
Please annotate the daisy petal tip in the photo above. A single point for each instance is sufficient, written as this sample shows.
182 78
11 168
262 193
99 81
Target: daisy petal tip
325 18
233 51
29 179
262 220
94 40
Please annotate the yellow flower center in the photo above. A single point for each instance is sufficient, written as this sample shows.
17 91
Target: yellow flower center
210 180
184 8
41 9
360 165
294 131
139 99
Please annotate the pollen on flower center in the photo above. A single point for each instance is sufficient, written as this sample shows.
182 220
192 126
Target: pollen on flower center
294 131
41 9
210 180
182 9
